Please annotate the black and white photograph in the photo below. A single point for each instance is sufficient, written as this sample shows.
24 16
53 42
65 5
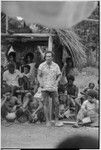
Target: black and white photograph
50 74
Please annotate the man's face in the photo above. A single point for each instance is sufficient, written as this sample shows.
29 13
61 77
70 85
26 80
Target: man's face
11 58
26 70
49 57
11 70
70 82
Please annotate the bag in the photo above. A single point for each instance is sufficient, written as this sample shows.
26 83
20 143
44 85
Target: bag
86 120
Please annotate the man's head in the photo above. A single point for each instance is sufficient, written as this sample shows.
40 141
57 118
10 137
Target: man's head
70 79
29 58
11 68
26 69
49 56
12 56
91 85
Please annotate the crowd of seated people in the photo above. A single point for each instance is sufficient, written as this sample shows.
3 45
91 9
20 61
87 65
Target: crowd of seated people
30 108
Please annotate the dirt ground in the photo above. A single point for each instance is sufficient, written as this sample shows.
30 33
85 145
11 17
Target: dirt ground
38 135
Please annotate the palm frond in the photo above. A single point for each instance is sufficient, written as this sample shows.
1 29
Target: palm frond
70 39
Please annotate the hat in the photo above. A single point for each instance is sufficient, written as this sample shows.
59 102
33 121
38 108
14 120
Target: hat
92 93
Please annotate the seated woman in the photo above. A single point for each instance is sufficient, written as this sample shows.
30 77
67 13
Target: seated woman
82 96
89 108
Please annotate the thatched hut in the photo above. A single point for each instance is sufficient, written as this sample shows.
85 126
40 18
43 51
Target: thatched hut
63 42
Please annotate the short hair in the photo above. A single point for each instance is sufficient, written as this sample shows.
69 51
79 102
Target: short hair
70 77
27 66
91 83
52 53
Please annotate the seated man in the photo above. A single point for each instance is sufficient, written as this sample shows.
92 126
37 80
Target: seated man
72 91
89 108
32 108
82 96
11 77
9 104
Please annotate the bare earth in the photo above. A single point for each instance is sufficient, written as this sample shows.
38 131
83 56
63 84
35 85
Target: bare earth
39 136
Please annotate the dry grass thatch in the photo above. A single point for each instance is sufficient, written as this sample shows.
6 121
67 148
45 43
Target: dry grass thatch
69 39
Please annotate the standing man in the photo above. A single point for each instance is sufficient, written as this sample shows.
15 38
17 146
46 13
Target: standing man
48 76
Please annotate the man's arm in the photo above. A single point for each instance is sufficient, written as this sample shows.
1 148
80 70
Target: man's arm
39 77
76 93
39 107
4 100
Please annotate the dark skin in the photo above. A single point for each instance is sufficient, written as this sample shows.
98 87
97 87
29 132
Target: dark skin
70 83
11 69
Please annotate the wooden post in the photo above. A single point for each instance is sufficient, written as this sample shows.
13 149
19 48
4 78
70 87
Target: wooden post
50 100
6 24
50 43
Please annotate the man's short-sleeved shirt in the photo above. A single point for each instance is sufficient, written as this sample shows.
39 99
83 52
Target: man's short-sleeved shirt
49 76
12 79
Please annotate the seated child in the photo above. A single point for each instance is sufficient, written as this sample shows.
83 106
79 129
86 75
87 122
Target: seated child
72 91
9 104
33 107
24 82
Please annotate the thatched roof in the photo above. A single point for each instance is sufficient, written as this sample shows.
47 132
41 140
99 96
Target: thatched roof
69 39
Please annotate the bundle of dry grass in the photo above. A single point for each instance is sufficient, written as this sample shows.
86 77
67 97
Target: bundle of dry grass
69 39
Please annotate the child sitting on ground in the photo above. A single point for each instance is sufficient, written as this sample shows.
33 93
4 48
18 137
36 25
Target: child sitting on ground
10 104
24 82
72 91
32 107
